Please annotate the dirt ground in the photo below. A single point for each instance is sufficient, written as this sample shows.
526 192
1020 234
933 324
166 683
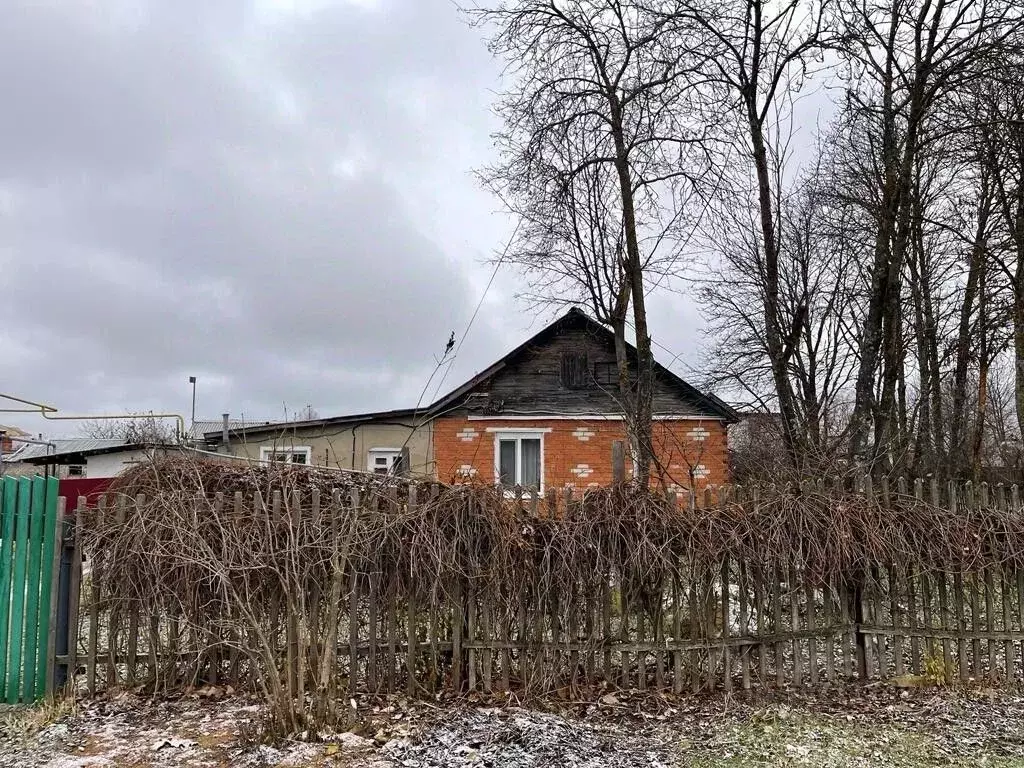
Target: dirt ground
872 726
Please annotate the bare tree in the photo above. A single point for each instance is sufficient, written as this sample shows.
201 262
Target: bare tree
756 57
817 278
134 428
1002 107
906 59
595 149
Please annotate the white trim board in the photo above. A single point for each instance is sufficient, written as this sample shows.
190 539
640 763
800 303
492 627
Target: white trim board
591 417
266 451
521 430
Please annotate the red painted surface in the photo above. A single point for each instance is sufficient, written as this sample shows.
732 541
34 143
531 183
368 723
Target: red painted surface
92 488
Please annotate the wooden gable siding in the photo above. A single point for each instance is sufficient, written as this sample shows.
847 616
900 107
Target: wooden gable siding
533 382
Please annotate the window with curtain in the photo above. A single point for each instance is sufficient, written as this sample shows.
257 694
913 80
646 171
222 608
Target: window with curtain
519 459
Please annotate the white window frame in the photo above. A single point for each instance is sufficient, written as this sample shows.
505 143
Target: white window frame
517 434
266 451
394 454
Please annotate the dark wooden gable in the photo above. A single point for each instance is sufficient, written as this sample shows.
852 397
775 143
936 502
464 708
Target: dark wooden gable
567 369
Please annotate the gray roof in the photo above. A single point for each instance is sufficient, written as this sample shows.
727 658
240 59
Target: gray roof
202 427
65 446
263 427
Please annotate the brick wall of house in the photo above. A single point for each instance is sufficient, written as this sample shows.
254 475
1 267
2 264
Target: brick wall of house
578 452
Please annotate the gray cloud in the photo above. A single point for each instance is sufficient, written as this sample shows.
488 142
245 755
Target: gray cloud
274 198
274 195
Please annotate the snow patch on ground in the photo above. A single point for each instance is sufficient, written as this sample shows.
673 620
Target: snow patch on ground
861 726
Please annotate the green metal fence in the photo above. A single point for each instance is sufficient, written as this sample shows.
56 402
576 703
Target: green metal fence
28 563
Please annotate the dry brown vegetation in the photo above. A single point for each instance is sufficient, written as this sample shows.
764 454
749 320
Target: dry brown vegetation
240 556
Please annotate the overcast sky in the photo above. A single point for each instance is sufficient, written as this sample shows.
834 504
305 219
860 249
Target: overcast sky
274 196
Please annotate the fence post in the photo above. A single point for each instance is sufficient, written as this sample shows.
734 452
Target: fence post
618 462
69 600
856 593
58 597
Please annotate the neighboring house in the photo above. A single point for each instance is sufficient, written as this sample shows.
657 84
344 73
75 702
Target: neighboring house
544 415
201 428
364 442
10 439
82 457
12 442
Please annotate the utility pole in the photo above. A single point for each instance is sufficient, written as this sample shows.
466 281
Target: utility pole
192 381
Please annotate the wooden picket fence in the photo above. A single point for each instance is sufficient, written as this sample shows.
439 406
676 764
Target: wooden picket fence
734 626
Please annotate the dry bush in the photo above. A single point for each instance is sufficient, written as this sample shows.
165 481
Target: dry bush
230 551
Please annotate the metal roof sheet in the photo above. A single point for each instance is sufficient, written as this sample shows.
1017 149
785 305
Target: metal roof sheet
63 446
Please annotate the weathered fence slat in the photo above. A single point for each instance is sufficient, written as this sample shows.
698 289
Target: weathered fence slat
744 624
896 613
485 638
52 552
1006 595
726 581
828 599
990 623
354 585
811 608
926 604
96 578
846 635
947 656
694 654
372 599
961 626
470 608
777 628
915 637
972 586
75 593
762 647
1020 611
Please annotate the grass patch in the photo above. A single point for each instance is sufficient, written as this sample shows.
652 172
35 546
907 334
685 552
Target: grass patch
782 737
21 723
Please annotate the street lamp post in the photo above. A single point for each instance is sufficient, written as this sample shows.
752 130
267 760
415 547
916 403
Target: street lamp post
192 381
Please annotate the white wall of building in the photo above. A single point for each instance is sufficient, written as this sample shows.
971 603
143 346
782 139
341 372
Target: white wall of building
111 464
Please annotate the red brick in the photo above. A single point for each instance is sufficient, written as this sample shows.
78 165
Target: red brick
677 450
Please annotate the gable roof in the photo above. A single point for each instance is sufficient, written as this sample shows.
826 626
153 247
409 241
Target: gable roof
575 317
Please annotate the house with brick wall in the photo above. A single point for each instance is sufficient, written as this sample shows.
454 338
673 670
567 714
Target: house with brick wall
543 416
546 415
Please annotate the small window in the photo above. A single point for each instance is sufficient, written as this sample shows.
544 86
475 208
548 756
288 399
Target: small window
299 455
76 470
606 374
384 461
519 459
575 371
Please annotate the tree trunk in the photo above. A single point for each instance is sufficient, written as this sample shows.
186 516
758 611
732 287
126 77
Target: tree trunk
780 349
618 322
957 455
1018 347
984 360
633 267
